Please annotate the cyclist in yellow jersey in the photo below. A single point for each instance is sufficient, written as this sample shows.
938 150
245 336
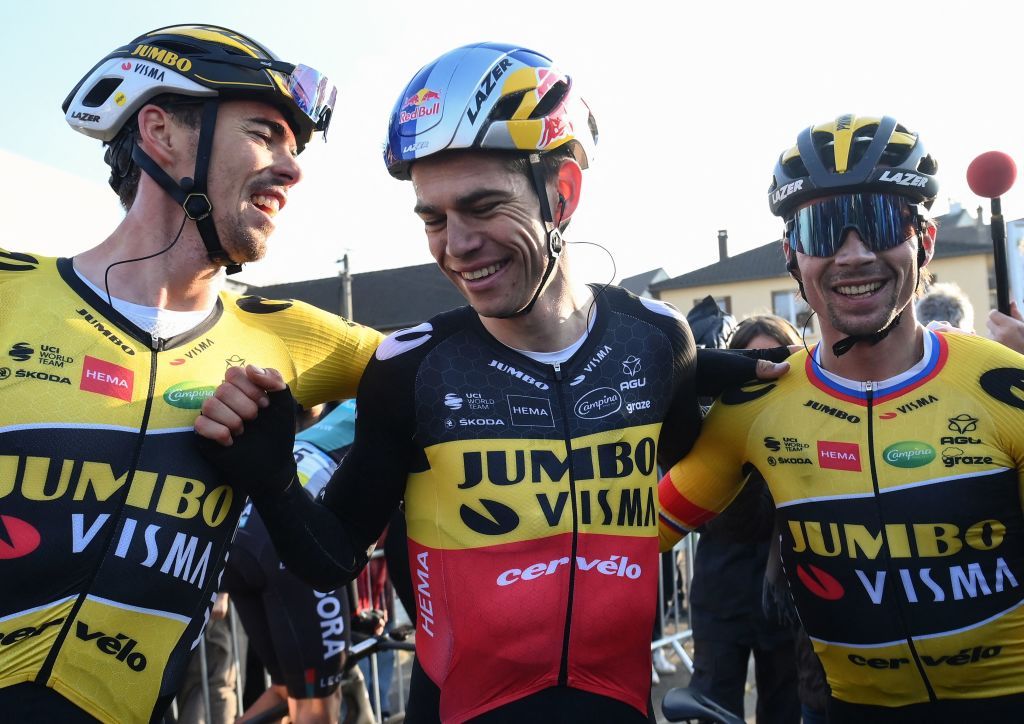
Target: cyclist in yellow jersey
894 453
113 530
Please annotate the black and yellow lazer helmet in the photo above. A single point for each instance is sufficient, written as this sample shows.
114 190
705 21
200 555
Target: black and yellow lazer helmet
201 61
853 154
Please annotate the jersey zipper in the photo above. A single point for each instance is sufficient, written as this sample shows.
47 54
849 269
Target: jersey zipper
563 668
51 658
889 568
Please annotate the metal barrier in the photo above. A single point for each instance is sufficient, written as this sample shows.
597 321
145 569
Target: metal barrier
670 607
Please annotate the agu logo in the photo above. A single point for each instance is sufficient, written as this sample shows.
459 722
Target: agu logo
106 378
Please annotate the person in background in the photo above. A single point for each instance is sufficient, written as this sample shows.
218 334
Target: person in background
946 302
1007 329
726 613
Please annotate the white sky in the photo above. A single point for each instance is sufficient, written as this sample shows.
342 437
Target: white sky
694 103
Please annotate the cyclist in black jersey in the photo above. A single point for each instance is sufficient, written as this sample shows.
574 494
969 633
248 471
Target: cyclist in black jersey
113 530
301 635
523 431
894 453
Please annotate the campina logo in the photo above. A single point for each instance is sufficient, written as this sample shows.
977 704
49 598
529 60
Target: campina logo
188 395
908 454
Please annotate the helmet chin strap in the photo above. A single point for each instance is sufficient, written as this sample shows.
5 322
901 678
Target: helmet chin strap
845 345
191 193
554 236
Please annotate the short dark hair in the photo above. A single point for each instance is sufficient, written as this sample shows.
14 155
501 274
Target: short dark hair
124 172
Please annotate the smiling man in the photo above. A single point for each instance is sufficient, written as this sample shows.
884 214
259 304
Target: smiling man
523 431
113 530
895 454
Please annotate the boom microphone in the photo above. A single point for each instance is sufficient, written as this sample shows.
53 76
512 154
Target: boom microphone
991 175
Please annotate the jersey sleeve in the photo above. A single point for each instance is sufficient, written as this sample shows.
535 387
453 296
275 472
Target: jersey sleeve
682 423
328 352
370 483
703 483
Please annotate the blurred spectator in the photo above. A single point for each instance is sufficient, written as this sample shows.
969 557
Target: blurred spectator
946 302
726 613
1007 330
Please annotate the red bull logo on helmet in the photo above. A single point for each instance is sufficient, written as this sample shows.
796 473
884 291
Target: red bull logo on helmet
419 105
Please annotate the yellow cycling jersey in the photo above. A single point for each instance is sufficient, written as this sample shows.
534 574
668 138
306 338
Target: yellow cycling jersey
113 530
899 505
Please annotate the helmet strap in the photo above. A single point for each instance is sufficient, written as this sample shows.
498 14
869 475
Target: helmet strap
191 193
554 244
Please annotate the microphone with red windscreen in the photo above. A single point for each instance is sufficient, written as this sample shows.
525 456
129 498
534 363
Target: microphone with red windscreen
991 175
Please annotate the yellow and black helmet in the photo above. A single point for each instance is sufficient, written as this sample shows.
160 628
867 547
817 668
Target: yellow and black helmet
201 61
853 154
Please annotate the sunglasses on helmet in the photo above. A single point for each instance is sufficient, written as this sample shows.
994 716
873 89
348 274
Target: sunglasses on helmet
312 92
883 221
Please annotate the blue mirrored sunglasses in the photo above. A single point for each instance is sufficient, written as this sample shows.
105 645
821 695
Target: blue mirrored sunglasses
883 221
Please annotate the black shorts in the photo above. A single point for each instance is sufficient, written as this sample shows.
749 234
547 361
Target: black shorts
301 635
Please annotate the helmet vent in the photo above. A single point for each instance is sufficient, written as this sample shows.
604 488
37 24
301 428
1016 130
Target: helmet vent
505 108
550 100
101 92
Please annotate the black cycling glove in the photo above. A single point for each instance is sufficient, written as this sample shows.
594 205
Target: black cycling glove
721 369
260 461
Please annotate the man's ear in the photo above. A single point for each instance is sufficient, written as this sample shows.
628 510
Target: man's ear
927 241
567 190
163 139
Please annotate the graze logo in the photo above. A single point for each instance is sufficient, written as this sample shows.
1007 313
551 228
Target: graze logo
18 538
908 454
963 423
453 401
530 411
519 374
617 566
839 455
602 402
106 378
955 456
833 411
632 407
188 395
21 352
107 332
8 638
121 647
487 86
